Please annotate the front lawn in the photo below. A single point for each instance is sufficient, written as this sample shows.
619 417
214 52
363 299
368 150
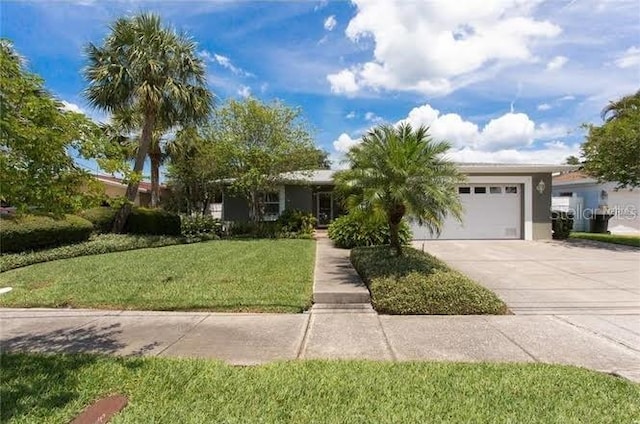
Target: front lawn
54 389
609 238
251 275
418 283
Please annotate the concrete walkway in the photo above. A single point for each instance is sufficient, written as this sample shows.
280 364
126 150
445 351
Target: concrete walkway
335 281
339 326
246 339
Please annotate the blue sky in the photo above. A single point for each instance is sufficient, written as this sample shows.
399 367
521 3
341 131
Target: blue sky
504 81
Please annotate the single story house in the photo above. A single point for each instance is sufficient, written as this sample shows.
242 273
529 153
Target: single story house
500 201
115 187
583 195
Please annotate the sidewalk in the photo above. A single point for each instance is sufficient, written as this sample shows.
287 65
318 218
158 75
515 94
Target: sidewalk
339 326
246 339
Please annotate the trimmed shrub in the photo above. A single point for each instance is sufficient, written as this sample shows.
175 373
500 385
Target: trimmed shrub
561 224
97 244
153 221
101 217
358 229
33 232
196 226
296 221
438 293
418 283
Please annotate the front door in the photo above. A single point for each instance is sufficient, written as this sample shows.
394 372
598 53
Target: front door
324 208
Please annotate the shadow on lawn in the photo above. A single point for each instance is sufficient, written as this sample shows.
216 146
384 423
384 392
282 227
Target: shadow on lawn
45 381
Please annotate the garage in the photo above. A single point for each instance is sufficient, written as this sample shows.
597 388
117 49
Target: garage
491 211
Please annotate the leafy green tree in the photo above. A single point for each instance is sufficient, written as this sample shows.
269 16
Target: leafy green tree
612 151
401 171
195 172
36 135
152 70
572 160
260 142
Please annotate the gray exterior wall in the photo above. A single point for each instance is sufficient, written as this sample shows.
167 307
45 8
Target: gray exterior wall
235 209
298 197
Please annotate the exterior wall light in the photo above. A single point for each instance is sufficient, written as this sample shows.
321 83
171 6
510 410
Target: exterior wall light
541 186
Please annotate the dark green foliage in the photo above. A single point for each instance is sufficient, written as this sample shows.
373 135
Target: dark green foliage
418 283
359 229
196 226
33 232
296 221
101 218
612 151
561 224
153 221
97 244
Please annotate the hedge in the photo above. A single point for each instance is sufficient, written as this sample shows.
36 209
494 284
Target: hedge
418 283
152 221
140 221
359 229
33 232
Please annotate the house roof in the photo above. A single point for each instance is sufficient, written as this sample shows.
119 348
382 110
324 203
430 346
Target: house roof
573 177
145 186
325 176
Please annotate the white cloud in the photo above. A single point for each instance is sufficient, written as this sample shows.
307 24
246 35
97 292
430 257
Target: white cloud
244 91
223 61
330 23
630 58
344 82
344 143
544 106
436 47
350 115
557 63
551 153
71 107
508 138
373 118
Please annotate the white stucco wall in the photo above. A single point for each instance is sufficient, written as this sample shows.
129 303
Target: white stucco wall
624 203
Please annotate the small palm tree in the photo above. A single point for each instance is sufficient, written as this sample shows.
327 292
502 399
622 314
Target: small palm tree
152 70
400 171
621 107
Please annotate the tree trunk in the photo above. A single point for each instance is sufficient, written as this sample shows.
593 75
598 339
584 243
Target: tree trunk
395 215
156 157
132 189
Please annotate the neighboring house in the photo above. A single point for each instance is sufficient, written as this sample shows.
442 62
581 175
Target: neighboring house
500 201
114 187
583 195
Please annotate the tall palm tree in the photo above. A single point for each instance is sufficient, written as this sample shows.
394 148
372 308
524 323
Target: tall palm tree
621 107
153 70
400 171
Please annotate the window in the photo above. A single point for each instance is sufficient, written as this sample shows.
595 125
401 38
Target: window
480 190
566 194
464 190
495 190
271 206
511 189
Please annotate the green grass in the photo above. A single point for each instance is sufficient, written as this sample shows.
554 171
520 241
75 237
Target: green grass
608 238
417 283
54 389
98 244
251 275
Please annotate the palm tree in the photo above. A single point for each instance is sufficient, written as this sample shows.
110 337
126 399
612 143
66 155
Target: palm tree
619 108
153 70
400 171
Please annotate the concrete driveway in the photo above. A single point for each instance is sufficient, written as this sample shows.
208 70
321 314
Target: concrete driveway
549 277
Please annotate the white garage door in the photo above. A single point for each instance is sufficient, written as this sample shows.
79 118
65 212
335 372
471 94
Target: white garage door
491 211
